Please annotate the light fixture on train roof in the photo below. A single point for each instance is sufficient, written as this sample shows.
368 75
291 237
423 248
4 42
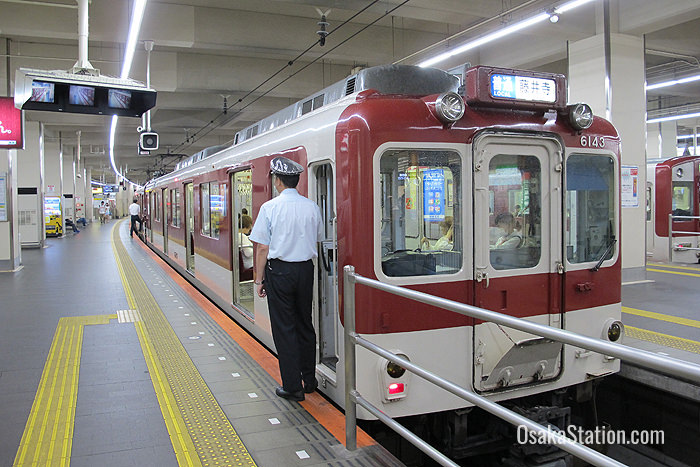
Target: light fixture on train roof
449 107
580 116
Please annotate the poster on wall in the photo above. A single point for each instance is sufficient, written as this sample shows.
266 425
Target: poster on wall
629 183
11 125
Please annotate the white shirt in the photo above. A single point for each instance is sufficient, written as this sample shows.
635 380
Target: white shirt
291 225
246 247
134 209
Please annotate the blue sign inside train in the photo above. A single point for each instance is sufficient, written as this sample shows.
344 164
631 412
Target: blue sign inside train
434 195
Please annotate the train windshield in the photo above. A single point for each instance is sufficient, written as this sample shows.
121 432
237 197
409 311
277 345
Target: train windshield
515 224
421 224
590 208
682 201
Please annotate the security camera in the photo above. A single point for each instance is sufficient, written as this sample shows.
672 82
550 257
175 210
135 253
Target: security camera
149 141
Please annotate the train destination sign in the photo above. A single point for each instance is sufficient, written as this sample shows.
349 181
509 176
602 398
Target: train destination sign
526 88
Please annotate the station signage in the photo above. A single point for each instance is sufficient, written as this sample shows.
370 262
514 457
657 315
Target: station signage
11 125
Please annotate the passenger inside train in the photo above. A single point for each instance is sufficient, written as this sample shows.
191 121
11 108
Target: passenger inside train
510 238
445 241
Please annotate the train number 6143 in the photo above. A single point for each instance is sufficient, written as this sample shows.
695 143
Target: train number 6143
592 141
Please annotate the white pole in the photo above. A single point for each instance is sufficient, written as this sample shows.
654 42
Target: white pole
83 32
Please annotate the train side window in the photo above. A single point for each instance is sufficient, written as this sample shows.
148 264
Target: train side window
159 207
649 205
515 224
421 223
213 208
204 208
590 207
175 194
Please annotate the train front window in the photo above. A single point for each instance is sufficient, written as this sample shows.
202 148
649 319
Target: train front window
421 222
682 200
515 225
590 208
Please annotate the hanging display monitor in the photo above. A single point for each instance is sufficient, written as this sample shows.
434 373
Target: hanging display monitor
119 98
61 91
81 95
42 92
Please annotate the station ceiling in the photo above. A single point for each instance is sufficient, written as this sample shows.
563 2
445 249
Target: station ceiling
209 54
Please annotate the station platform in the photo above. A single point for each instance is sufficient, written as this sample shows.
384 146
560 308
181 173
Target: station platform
662 315
108 357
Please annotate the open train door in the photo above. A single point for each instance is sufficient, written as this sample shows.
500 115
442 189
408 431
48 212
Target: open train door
326 321
517 256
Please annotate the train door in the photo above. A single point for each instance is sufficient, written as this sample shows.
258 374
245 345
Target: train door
651 218
518 256
164 216
189 227
241 246
151 213
327 270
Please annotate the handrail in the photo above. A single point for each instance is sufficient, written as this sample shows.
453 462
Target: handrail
352 397
671 218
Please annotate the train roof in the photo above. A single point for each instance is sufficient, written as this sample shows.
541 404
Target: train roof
386 79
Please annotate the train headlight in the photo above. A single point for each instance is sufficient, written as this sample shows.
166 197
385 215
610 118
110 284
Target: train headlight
580 116
613 330
394 370
449 107
393 378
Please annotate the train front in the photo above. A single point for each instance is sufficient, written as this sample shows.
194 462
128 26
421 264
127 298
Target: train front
500 196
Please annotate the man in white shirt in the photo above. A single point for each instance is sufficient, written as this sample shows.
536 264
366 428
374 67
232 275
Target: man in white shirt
134 211
286 231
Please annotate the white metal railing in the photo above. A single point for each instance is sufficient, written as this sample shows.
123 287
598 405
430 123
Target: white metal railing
671 247
642 358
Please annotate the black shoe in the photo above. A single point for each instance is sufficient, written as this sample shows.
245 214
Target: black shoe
309 388
292 396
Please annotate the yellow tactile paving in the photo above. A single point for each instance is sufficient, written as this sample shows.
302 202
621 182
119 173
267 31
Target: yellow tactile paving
198 427
661 317
663 339
48 435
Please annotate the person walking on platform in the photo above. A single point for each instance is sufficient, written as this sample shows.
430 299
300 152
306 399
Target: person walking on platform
103 212
286 232
134 210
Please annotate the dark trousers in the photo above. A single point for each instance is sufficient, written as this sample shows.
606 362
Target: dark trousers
289 288
134 220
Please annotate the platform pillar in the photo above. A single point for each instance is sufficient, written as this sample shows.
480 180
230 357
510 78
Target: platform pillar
10 251
606 71
30 187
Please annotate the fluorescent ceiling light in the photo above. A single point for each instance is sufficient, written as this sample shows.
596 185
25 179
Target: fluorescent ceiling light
483 40
688 79
134 28
570 6
674 117
503 32
685 136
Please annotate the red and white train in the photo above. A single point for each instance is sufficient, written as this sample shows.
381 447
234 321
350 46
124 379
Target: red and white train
673 188
411 167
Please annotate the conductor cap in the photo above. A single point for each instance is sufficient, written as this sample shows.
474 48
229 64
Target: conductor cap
283 166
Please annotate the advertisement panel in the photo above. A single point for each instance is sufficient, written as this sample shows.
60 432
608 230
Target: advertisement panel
11 125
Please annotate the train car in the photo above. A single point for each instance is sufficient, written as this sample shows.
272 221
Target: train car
673 188
411 168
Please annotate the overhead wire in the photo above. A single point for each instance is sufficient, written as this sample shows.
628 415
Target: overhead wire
193 138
